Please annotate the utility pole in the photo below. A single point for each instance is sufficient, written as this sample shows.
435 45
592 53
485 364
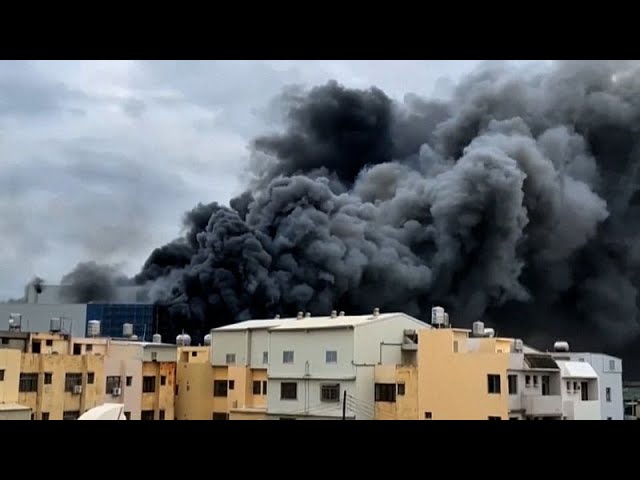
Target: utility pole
344 405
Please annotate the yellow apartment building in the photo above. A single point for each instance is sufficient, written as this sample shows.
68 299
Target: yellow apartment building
194 384
60 377
455 376
10 409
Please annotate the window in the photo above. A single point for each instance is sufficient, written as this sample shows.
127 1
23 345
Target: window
232 384
49 343
91 376
177 389
161 413
35 347
44 416
220 416
70 415
612 364
112 382
576 386
493 382
330 393
88 348
428 416
527 380
287 356
568 386
455 346
72 380
264 387
401 389
535 381
129 380
585 392
48 378
385 392
194 354
148 384
256 387
608 394
231 358
163 380
146 415
33 416
513 384
154 356
495 418
220 388
77 349
1 375
331 356
127 415
546 385
265 357
288 391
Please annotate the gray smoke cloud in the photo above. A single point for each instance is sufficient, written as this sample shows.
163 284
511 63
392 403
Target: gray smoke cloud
92 282
514 201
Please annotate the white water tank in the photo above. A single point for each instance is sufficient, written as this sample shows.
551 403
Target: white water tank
127 330
55 325
133 337
478 329
376 312
157 338
334 313
15 321
446 319
300 315
437 316
183 340
489 332
518 345
207 339
561 346
93 328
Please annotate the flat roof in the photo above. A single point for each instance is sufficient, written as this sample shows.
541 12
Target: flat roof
345 321
252 325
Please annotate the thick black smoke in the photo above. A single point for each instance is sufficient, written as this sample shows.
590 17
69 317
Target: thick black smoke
90 282
516 202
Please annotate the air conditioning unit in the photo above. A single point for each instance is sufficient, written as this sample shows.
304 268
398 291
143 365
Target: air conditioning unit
116 392
77 389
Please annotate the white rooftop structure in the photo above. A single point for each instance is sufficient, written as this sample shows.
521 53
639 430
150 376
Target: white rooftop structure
341 321
253 325
107 411
576 369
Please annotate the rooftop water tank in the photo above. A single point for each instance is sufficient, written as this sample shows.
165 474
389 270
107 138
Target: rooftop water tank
93 328
207 339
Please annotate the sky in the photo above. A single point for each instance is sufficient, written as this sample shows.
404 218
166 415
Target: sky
99 160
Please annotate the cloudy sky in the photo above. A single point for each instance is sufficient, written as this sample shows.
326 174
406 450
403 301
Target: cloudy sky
100 159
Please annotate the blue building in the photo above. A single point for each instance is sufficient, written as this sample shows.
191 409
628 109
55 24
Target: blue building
113 316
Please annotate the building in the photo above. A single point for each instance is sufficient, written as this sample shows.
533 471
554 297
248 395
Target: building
37 317
608 371
60 377
10 409
472 375
631 393
240 357
194 384
114 316
323 367
47 294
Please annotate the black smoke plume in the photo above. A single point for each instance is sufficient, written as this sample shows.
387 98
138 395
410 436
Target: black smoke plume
516 201
91 282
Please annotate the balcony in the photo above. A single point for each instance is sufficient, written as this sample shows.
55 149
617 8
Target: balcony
542 405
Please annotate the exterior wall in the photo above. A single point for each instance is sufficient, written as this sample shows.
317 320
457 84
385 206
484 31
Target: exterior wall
10 366
258 344
162 399
223 343
459 391
368 352
246 415
608 378
52 398
220 404
194 397
574 408
37 317
159 353
309 369
113 316
125 360
309 403
406 406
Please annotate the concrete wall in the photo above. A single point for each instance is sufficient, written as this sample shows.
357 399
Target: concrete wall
308 401
406 406
10 365
163 398
37 317
194 399
454 386
609 378
159 353
258 344
52 398
125 360
223 343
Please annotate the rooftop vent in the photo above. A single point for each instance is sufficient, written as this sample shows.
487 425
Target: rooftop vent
334 313
307 315
342 313
300 315
376 312
277 316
